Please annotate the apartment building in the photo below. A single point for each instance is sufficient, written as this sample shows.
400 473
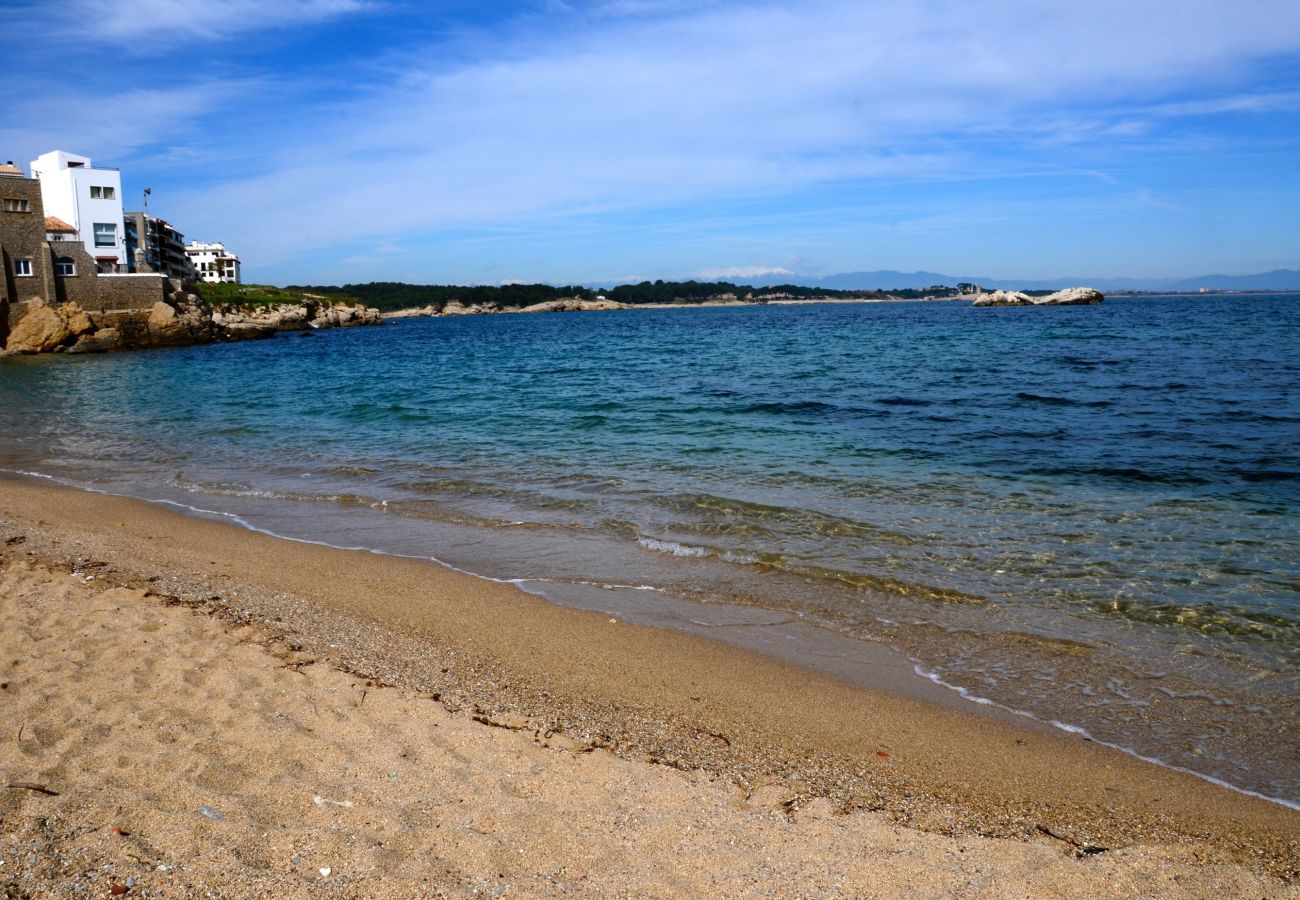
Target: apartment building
213 263
154 245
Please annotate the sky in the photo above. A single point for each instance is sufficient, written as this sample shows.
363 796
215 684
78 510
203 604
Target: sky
588 141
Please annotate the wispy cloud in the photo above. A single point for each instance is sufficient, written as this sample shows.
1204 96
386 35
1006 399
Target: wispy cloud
735 99
569 112
67 117
152 24
742 272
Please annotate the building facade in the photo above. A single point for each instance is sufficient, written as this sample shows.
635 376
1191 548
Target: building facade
44 262
28 269
213 263
153 245
90 200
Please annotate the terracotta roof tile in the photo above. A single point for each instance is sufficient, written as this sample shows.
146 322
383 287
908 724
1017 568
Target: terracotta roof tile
58 225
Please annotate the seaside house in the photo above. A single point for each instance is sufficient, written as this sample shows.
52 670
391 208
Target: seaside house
213 263
154 245
89 198
46 261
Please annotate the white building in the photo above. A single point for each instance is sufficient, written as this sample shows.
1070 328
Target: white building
87 198
213 262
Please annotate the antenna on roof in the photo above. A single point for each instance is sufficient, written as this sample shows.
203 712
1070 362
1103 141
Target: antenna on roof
147 192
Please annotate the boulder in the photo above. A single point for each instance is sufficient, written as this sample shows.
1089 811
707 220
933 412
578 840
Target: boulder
1075 296
99 342
245 331
75 318
169 327
39 331
162 316
1004 298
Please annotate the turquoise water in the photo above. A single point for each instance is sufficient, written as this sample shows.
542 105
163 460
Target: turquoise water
1086 514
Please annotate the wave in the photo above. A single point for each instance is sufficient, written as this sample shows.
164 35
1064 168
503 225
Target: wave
1121 473
1082 732
775 562
1051 400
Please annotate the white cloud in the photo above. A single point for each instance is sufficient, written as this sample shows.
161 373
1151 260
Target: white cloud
734 100
730 272
67 118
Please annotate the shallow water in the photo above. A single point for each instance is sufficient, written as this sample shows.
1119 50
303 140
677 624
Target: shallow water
1087 514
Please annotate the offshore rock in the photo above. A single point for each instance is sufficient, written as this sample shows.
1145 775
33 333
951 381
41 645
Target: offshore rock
1075 296
1003 298
574 304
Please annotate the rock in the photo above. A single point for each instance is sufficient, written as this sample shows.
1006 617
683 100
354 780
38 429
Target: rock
574 304
100 342
1069 297
245 331
39 331
162 315
77 321
1004 298
1075 296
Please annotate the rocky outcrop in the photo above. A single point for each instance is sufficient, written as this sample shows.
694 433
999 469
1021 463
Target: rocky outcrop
574 304
456 308
182 320
1076 296
245 320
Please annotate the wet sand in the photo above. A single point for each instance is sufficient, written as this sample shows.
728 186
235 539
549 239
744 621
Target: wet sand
156 662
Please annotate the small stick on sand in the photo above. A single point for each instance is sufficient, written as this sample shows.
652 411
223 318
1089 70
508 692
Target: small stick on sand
1084 849
31 786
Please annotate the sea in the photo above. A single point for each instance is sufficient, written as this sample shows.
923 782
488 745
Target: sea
1088 517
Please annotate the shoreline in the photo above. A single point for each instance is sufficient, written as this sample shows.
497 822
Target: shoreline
418 312
648 695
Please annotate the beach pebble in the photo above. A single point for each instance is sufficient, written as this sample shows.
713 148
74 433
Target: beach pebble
325 871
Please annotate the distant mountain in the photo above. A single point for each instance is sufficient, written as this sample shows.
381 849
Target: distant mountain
886 279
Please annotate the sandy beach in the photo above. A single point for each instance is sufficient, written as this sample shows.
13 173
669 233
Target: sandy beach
189 708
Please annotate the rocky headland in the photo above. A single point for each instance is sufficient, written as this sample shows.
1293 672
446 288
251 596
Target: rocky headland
183 318
1075 296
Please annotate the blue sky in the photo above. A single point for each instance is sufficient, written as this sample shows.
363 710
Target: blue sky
333 141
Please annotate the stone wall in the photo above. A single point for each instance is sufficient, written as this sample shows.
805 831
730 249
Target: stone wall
123 292
81 288
22 236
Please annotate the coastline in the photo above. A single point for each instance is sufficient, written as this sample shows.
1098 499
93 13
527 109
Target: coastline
411 312
649 696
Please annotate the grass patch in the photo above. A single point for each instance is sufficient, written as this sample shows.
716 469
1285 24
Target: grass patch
263 295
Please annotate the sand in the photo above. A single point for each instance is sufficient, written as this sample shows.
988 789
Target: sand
418 732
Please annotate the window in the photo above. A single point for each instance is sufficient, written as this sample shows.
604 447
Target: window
65 267
19 205
23 267
98 192
105 234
